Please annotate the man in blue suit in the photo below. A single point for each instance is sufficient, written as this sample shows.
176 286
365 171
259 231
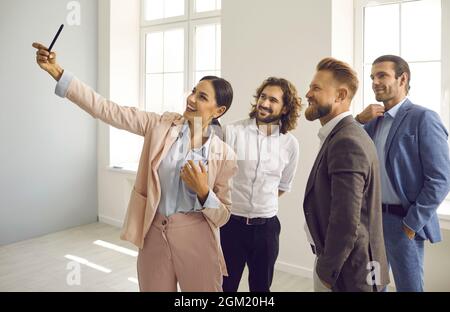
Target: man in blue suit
412 147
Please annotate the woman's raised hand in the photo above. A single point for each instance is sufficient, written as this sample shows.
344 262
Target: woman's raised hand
47 61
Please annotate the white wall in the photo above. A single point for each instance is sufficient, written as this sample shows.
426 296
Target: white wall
47 145
342 30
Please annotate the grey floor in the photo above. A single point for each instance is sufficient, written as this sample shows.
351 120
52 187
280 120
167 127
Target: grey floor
89 258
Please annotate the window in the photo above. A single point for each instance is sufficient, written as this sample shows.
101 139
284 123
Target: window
165 69
206 50
181 43
413 30
163 9
207 5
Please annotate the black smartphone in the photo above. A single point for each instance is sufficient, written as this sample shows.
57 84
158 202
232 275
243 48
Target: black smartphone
56 38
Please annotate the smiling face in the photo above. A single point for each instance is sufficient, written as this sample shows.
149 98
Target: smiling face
269 106
386 86
202 104
321 96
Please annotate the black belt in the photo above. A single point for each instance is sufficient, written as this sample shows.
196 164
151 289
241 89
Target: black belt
394 210
251 221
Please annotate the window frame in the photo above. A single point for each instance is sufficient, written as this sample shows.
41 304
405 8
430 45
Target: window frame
359 40
189 21
199 15
192 50
143 56
167 20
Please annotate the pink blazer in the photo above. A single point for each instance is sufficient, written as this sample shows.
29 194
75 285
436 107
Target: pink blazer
159 132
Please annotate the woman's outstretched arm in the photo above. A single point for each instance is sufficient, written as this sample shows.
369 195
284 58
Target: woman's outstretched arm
126 118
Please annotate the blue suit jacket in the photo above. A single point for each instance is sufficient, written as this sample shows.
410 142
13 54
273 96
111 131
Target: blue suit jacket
418 165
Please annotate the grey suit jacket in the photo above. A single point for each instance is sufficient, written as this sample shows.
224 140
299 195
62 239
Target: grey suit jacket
342 208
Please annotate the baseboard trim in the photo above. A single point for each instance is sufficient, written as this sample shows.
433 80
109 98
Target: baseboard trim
110 221
294 269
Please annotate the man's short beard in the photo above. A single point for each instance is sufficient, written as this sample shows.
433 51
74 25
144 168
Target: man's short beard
382 98
312 113
269 119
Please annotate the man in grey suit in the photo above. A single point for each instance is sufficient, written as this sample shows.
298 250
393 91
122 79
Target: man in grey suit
342 202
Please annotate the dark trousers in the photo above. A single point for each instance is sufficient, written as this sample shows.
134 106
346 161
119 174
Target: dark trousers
254 245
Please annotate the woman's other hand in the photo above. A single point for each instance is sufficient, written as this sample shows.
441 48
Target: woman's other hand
196 178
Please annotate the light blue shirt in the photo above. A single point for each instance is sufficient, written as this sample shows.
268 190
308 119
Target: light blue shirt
63 84
176 197
388 193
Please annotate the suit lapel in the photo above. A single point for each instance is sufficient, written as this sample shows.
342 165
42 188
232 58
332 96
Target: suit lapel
312 176
173 130
214 155
403 111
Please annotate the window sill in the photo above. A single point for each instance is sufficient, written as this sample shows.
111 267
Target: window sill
444 215
130 169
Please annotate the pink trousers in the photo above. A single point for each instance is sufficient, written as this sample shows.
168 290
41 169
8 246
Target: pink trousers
179 249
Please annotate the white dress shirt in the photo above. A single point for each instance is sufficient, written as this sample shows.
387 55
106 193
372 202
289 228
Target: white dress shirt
267 164
176 197
323 134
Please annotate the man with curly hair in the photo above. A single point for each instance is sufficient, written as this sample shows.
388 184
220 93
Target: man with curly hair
267 159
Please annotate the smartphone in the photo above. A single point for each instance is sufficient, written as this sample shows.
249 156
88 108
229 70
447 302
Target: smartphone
55 38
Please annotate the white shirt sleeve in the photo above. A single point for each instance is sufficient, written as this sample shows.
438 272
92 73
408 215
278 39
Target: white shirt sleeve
211 202
308 234
289 171
63 84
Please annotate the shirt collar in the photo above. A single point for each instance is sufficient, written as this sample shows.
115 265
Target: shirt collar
325 131
275 131
394 110
185 132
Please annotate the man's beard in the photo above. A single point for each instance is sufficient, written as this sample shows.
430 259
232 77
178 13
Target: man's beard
268 119
315 112
387 94
383 97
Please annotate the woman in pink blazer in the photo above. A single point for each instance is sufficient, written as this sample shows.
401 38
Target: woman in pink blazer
182 191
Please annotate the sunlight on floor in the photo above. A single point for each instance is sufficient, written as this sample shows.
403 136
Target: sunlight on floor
87 263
